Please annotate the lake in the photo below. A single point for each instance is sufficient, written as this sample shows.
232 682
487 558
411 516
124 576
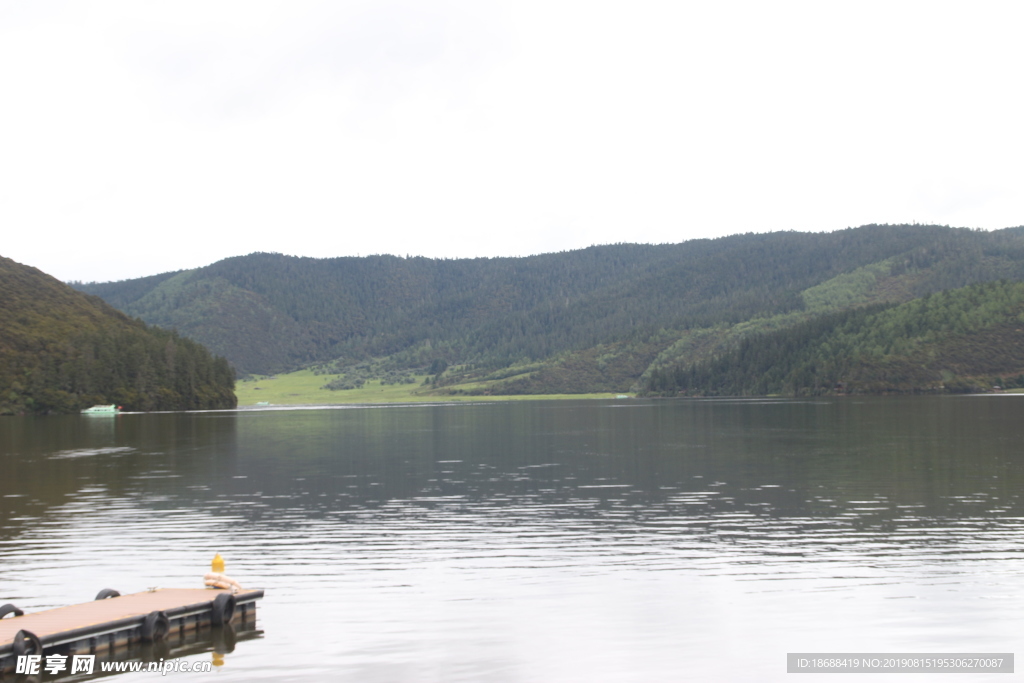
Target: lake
626 540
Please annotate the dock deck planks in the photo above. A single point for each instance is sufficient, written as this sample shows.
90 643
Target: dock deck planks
77 622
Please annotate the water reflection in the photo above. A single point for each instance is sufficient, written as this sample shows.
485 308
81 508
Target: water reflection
781 458
405 520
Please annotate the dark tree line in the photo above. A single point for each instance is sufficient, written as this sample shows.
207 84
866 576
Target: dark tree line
61 351
957 340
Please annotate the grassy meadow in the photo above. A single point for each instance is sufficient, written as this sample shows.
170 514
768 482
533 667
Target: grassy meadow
305 387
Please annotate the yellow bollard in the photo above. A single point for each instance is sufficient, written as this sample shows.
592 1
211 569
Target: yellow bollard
218 564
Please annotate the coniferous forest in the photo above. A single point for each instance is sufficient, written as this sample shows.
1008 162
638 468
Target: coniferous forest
961 340
660 319
62 350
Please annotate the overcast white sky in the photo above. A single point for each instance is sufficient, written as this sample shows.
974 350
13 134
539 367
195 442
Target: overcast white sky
141 137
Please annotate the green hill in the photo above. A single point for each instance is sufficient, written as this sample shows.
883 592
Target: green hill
62 350
967 339
596 319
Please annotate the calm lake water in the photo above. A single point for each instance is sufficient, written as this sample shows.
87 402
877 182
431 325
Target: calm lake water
542 541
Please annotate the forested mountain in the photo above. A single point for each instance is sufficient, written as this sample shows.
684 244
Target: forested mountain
62 350
967 339
596 319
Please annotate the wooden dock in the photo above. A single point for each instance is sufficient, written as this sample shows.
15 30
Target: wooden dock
102 626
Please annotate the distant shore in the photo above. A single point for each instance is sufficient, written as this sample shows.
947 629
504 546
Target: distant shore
303 387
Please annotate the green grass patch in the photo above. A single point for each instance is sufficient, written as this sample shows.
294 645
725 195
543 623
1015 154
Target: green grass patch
846 290
303 387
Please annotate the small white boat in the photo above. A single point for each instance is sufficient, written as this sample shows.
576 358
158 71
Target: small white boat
102 410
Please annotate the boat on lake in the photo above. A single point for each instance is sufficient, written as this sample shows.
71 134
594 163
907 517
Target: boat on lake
102 410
